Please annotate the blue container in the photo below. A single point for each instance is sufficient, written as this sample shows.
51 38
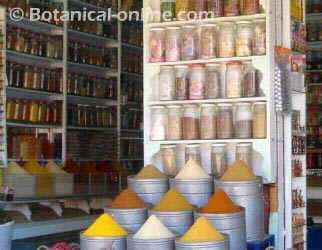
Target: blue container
262 245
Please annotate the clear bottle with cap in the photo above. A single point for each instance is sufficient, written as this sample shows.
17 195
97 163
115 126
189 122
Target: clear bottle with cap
166 83
156 45
244 152
226 40
218 159
174 128
243 120
250 80
193 152
234 77
259 37
159 123
213 83
208 41
172 44
190 122
259 121
169 164
189 46
208 121
225 121
244 38
181 80
197 82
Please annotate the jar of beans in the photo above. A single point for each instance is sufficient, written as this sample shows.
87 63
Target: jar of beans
156 45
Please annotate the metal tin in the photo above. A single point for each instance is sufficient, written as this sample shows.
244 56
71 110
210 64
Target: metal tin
178 222
157 244
150 190
106 243
197 192
233 224
210 245
130 219
248 194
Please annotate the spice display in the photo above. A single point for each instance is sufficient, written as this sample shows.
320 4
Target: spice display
259 120
192 171
297 198
156 45
105 226
132 118
218 159
127 63
297 168
181 82
224 121
168 153
189 46
127 199
238 171
226 39
201 231
244 152
234 77
208 122
150 172
168 10
298 145
53 168
219 203
167 86
132 33
172 201
182 9
193 153
172 44
216 7
250 81
99 28
197 82
232 8
132 89
243 120
250 7
259 37
213 82
159 123
152 229
190 123
208 41
244 38
132 149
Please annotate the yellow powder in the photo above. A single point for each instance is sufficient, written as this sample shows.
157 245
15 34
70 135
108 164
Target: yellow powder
105 226
15 168
238 171
150 172
34 167
53 168
202 231
172 201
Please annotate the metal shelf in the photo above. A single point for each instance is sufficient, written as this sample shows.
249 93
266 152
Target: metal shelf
32 94
91 100
313 16
132 74
31 125
92 38
131 46
90 128
102 71
313 45
132 130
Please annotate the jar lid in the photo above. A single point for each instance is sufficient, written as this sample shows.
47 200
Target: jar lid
225 105
259 103
193 146
219 145
243 104
208 105
168 146
174 106
156 29
157 107
260 20
166 67
173 28
244 22
244 144
213 64
181 66
208 25
234 62
227 23
196 65
189 27
190 106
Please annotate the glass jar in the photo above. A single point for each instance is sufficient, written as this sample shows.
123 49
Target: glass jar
232 7
234 77
208 41
218 160
198 6
193 152
189 46
34 108
172 44
168 10
10 112
157 47
182 9
243 120
259 120
197 82
208 122
174 128
159 123
226 40
190 122
244 152
216 7
166 83
168 154
244 38
212 90
249 7
181 81
250 81
259 37
225 121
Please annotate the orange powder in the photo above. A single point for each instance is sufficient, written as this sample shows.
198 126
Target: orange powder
172 201
239 171
220 203
127 199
